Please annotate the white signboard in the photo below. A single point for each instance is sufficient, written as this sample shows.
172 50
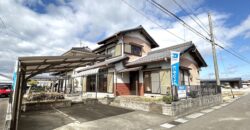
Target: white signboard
182 91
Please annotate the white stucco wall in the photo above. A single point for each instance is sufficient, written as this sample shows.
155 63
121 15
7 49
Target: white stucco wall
123 77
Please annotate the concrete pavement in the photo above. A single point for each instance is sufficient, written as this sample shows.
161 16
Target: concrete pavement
3 110
91 117
234 115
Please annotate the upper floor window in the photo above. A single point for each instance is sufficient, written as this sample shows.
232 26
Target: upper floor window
111 51
114 51
133 49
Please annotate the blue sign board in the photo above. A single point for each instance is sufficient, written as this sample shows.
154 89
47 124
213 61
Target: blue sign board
14 77
175 57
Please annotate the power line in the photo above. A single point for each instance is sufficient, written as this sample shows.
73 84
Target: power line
124 1
190 11
166 11
232 53
4 25
191 17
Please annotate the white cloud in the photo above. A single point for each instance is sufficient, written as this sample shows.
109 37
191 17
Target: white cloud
62 25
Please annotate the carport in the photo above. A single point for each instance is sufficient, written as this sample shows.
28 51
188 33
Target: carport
28 67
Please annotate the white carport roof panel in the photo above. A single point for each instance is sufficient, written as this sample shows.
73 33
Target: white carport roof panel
87 72
42 64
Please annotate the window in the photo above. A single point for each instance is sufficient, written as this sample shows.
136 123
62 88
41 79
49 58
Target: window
118 49
115 50
184 77
111 51
91 83
152 82
103 81
133 49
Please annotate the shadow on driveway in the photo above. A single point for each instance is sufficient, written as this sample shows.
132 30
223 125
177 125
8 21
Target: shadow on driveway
54 118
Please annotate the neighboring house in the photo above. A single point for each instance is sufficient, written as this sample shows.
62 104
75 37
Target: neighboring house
69 84
225 82
134 69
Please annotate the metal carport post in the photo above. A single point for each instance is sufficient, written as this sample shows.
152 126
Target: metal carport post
30 66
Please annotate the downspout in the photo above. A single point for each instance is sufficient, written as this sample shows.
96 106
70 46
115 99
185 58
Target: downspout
96 83
115 83
122 46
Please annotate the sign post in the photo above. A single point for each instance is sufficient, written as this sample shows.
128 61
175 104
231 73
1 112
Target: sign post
175 59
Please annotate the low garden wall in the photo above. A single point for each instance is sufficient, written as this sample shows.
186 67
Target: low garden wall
190 105
44 105
178 108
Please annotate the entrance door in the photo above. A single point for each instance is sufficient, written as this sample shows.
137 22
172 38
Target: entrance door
134 82
155 82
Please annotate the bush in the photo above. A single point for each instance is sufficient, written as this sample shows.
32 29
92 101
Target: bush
193 94
44 96
167 99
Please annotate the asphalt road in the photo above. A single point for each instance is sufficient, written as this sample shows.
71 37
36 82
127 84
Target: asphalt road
235 116
3 110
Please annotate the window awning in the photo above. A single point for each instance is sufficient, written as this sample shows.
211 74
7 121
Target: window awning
131 69
87 72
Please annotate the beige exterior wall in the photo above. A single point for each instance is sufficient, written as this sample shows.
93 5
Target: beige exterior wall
110 82
136 40
84 84
165 81
188 61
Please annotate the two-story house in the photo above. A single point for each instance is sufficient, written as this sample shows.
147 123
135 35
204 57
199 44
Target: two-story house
134 69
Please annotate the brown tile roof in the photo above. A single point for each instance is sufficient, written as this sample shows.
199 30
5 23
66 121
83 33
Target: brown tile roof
161 54
139 28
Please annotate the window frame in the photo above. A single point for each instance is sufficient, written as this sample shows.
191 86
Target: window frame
107 50
182 77
133 45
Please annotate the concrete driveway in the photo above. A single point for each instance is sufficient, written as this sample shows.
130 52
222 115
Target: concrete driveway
92 117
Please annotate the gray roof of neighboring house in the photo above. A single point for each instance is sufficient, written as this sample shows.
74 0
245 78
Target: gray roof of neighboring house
8 77
139 28
104 63
161 54
85 50
222 79
82 49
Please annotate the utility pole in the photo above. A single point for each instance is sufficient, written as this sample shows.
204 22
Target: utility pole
214 51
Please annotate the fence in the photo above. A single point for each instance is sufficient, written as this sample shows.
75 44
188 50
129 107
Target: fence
202 90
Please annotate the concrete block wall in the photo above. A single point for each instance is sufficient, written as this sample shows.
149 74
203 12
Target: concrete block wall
191 105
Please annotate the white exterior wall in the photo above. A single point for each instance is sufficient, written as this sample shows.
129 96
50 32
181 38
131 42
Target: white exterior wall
140 76
77 84
137 35
123 77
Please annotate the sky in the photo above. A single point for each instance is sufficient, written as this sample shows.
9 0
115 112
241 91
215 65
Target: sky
51 27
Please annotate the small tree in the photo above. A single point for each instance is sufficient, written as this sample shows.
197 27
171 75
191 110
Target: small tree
32 82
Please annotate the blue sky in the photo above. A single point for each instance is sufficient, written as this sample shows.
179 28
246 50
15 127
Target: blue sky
51 27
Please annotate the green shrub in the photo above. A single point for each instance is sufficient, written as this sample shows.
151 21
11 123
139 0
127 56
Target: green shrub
167 99
193 94
44 96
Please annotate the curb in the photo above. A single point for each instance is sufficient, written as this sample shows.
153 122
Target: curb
8 117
